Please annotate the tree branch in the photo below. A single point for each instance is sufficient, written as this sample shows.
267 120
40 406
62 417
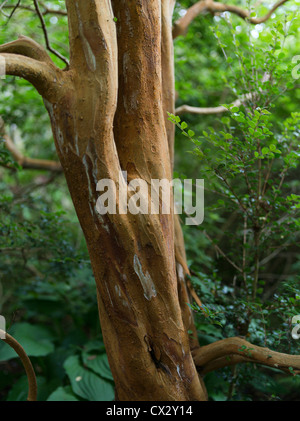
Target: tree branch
182 24
13 11
25 162
31 163
231 351
222 253
27 47
183 109
32 391
48 79
48 45
46 11
188 109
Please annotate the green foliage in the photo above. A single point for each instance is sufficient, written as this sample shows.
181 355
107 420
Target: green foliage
46 283
27 335
250 160
85 383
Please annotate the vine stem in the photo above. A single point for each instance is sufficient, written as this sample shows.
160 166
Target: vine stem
32 384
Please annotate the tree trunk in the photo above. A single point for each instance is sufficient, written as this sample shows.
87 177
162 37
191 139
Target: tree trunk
108 111
109 118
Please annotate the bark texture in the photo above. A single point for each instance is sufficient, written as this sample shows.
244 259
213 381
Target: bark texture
111 117
108 111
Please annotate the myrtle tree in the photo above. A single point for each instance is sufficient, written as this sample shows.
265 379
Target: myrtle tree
108 109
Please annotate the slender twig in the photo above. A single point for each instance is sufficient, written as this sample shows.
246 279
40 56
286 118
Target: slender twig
204 6
222 252
48 45
3 4
45 12
267 178
13 11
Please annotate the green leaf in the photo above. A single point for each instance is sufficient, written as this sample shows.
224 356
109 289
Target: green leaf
19 390
99 364
183 125
87 384
36 340
225 120
62 394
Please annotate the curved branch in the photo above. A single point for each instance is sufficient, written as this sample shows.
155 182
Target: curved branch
48 79
236 350
183 109
27 163
244 14
32 384
46 11
31 163
48 45
182 24
27 47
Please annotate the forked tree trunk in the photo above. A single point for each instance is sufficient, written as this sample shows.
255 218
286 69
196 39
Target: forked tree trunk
108 112
111 117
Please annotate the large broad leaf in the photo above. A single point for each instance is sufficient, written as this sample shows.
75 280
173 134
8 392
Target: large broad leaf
87 384
62 394
99 364
19 391
36 340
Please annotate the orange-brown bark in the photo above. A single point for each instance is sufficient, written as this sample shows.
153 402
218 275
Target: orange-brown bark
133 256
108 115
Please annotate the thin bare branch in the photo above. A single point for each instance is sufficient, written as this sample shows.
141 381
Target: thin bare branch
222 253
51 49
31 163
25 162
46 11
204 6
3 5
13 11
183 109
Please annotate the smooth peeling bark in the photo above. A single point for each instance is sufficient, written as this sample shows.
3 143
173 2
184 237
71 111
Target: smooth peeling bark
168 73
108 114
168 95
132 256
